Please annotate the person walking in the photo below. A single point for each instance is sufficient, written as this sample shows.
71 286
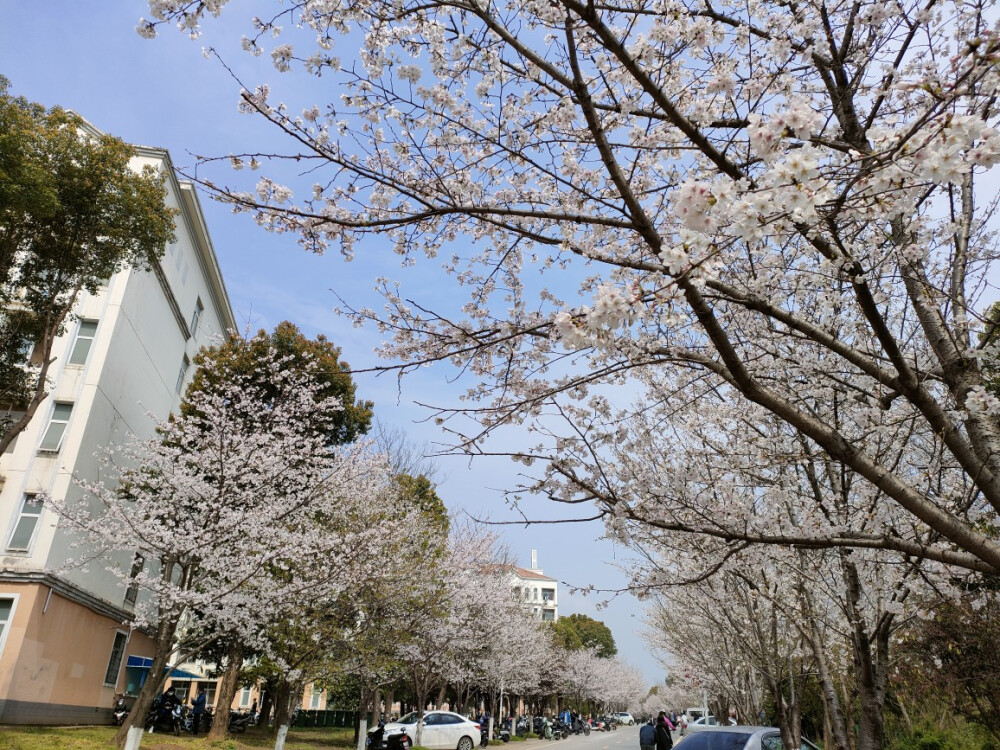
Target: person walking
647 736
198 710
664 741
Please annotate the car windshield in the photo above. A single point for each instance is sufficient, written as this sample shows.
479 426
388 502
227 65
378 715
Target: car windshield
714 741
410 718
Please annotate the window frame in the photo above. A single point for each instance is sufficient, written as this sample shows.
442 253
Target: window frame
182 375
27 497
121 658
48 426
315 699
132 591
199 310
77 339
6 624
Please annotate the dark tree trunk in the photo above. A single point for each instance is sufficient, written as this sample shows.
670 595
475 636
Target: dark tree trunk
157 676
869 672
227 691
282 699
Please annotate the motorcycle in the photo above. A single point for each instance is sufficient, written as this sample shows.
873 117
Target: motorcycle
238 722
504 731
165 718
521 728
582 726
120 710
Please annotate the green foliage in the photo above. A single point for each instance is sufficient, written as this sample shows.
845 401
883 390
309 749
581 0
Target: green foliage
245 358
72 213
580 631
928 736
955 656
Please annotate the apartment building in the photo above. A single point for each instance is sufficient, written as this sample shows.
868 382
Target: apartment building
538 591
66 645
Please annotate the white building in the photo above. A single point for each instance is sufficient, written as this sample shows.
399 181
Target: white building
538 591
65 644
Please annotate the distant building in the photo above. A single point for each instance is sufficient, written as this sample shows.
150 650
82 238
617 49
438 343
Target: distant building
538 591
66 646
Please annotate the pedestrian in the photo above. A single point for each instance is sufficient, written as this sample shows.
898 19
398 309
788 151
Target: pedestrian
647 736
664 741
198 709
732 717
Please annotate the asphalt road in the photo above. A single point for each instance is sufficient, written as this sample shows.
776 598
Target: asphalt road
623 738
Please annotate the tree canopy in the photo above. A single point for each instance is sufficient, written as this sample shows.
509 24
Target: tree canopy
72 213
578 631
247 360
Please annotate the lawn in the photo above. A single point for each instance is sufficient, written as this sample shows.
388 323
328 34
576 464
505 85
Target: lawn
100 738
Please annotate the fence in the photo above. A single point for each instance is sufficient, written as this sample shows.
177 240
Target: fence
325 719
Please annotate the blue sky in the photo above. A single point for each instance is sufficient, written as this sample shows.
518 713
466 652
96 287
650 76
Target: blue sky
86 56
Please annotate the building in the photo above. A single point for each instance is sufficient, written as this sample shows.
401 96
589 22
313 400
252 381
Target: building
66 646
538 591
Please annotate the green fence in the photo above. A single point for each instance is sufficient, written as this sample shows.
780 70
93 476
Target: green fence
326 719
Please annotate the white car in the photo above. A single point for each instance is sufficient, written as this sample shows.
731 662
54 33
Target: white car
624 717
701 721
442 730
704 737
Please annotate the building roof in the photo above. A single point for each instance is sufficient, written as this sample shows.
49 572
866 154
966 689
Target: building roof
533 575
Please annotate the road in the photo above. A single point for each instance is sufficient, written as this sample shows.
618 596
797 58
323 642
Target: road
623 738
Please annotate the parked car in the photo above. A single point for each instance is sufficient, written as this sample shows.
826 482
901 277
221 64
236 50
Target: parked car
701 721
706 737
442 730
624 717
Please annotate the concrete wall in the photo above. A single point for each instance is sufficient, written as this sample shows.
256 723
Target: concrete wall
55 659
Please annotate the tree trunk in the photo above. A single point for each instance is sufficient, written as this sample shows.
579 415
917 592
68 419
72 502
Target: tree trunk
870 684
41 383
266 703
227 691
157 676
282 699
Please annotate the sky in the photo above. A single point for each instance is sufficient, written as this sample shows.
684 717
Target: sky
86 56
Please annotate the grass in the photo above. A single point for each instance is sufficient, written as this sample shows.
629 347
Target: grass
101 738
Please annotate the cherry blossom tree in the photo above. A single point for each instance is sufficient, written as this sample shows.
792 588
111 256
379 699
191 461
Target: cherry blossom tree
766 205
225 502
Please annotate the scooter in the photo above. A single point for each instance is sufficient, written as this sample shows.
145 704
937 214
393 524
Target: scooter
165 719
239 722
120 710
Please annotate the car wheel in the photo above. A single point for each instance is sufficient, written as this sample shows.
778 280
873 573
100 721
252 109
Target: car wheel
465 743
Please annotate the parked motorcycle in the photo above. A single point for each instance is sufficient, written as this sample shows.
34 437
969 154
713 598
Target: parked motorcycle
504 731
165 718
238 722
521 728
399 741
120 710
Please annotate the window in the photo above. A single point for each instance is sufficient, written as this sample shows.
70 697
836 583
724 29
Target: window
196 317
132 592
548 595
185 363
56 428
117 654
6 615
549 615
317 698
27 522
245 697
84 339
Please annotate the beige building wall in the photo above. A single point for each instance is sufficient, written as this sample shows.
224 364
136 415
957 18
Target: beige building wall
57 653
